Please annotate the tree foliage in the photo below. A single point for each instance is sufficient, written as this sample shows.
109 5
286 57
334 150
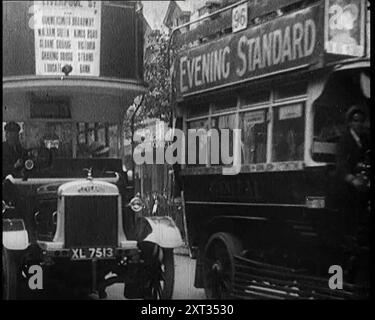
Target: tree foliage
156 102
157 75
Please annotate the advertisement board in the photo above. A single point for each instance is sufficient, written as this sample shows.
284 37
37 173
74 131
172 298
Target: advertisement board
286 43
345 27
67 33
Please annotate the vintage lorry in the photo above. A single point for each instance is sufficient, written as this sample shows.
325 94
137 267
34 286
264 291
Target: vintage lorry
70 209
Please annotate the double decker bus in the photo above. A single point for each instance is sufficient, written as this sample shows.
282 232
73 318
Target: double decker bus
285 74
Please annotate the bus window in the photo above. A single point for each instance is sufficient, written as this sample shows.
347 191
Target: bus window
329 123
288 133
201 143
101 134
113 141
254 98
224 103
58 135
291 90
97 134
51 108
81 133
91 133
254 136
224 122
196 109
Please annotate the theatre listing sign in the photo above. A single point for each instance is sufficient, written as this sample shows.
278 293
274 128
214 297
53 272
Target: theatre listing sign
285 43
67 33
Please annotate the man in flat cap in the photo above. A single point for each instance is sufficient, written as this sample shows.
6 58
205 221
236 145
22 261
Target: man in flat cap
13 152
354 150
353 146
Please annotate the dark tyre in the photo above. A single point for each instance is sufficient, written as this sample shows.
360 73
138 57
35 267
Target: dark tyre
218 267
160 272
168 268
11 274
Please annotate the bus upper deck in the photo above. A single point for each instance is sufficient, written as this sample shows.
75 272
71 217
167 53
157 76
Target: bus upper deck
286 80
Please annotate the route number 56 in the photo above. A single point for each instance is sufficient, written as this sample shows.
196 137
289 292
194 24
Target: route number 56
239 17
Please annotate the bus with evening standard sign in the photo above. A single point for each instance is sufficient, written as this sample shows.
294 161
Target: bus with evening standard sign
277 225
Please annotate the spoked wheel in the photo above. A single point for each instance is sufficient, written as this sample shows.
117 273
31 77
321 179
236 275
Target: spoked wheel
160 272
219 265
11 274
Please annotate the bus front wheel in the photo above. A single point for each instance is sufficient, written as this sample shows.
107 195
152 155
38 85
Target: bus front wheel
218 267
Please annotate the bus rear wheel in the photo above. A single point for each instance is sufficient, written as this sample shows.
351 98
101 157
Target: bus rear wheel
218 268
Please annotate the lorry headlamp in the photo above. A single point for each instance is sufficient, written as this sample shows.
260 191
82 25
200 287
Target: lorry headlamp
136 204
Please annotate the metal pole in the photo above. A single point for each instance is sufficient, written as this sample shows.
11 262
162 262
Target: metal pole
132 129
185 222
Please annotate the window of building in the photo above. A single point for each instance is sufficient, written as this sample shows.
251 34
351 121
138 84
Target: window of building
254 136
288 133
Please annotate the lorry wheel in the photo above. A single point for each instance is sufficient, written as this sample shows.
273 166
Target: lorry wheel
218 266
161 273
168 274
11 274
162 284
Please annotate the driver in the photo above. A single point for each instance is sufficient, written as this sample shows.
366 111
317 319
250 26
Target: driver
13 160
13 152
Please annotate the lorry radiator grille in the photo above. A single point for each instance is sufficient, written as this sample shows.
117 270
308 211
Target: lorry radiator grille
91 221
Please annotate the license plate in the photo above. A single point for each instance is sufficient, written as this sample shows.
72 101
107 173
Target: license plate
92 253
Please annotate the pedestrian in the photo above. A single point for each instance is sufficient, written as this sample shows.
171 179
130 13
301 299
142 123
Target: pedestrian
13 152
353 149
